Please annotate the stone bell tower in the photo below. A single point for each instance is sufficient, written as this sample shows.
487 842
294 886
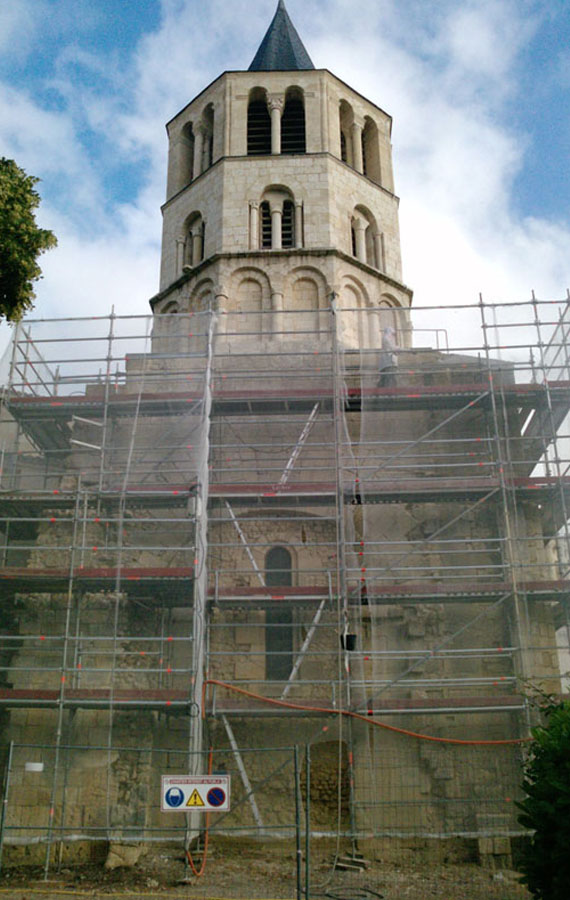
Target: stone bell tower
280 193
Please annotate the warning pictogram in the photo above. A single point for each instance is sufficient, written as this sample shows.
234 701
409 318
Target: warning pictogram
195 793
195 799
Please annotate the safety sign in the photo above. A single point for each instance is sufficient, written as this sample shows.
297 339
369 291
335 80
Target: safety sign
195 793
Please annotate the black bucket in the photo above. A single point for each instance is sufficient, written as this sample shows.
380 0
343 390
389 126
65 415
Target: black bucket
348 641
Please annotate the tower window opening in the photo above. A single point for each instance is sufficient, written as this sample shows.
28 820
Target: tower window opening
288 224
353 239
343 153
371 151
293 126
208 151
265 225
207 127
278 621
345 122
187 167
195 236
258 129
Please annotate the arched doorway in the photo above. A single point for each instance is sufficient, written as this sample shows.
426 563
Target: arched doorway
278 620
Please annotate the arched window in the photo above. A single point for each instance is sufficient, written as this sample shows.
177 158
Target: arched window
370 150
288 224
265 225
278 567
346 118
277 219
278 620
343 146
365 238
187 155
195 236
293 123
208 145
258 125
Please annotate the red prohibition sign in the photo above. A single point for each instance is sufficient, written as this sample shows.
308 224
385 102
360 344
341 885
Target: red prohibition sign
216 796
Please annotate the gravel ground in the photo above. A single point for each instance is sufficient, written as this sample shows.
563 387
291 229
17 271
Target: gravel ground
258 871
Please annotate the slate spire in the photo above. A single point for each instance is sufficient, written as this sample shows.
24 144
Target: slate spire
281 49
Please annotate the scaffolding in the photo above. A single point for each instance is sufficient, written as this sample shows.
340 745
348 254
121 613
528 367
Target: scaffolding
225 529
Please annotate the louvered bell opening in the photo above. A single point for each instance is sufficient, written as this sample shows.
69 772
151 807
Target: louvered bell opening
265 216
258 129
293 127
343 155
288 225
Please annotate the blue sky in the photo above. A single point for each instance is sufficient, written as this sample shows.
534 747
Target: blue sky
478 89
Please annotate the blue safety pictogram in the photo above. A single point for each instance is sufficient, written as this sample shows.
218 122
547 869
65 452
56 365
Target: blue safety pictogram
174 797
216 796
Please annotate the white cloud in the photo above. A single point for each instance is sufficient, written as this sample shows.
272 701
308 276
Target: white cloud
19 25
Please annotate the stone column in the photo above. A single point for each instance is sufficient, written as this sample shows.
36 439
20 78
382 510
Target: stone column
253 225
379 250
357 147
275 110
277 309
298 224
360 234
220 306
198 150
180 247
197 248
349 153
276 219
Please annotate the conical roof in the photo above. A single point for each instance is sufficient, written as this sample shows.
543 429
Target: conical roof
281 49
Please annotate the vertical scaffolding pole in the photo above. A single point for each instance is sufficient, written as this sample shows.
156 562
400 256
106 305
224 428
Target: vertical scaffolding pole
5 795
109 361
509 537
200 580
342 587
62 684
555 454
298 851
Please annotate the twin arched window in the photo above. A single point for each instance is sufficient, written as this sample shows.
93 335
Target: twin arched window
275 124
359 143
274 217
366 240
194 240
197 146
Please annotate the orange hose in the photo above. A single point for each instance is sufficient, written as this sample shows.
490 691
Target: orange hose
354 715
202 869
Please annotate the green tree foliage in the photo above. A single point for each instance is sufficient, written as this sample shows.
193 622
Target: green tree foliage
546 807
21 241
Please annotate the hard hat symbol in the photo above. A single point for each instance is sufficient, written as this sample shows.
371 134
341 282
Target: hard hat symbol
174 797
